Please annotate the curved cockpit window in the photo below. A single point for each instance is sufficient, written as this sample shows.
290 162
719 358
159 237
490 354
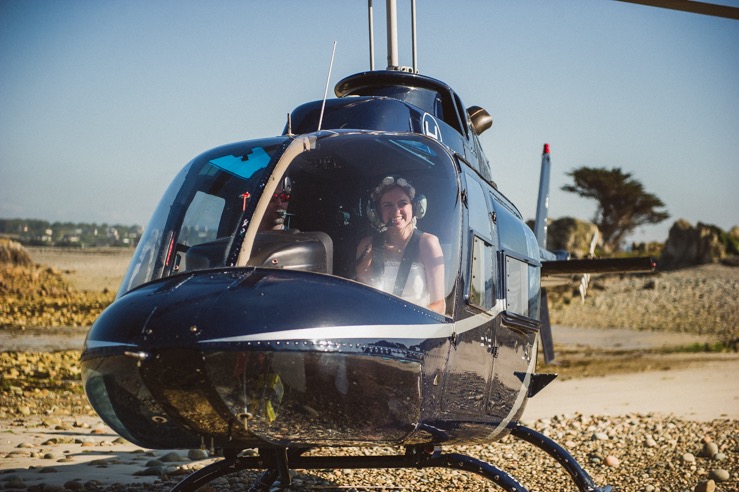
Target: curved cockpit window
203 205
310 210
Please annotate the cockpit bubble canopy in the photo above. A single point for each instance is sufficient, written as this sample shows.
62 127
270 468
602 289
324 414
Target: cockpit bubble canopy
216 213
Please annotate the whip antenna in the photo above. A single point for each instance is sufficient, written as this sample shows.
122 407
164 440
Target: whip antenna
328 81
371 35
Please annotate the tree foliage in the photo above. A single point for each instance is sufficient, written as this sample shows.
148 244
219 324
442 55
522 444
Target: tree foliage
623 204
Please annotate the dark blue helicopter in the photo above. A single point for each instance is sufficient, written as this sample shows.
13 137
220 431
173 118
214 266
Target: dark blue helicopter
245 321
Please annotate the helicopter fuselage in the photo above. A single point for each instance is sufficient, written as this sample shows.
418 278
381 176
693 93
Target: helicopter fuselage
232 335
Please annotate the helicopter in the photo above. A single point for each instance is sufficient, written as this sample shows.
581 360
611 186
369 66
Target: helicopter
243 323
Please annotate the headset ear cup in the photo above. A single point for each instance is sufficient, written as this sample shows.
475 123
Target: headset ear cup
419 206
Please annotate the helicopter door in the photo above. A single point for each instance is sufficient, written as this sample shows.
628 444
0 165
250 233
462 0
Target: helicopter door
516 333
470 362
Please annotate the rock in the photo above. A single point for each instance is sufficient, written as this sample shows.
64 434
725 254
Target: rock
611 461
152 471
571 235
197 454
719 475
687 245
74 485
600 436
14 253
16 484
709 449
705 486
171 457
688 458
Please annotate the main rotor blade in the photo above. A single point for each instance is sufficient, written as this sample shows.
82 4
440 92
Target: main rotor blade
692 7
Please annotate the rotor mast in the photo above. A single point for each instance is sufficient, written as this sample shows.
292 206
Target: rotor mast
391 12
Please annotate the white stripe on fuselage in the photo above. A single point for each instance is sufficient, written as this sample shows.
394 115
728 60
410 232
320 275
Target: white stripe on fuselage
384 332
522 392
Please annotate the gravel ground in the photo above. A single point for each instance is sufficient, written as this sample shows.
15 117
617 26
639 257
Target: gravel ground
631 452
40 395
700 300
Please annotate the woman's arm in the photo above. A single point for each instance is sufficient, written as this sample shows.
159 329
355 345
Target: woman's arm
432 258
363 259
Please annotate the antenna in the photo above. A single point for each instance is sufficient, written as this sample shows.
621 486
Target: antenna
328 81
371 35
413 35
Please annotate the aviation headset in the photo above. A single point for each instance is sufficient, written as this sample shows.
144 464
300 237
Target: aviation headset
419 202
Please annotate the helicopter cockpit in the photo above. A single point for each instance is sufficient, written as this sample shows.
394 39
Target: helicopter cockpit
262 203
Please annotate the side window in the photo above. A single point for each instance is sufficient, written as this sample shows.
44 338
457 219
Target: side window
481 278
481 292
521 283
478 209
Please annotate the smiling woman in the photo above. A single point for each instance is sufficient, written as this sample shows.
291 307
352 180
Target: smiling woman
399 258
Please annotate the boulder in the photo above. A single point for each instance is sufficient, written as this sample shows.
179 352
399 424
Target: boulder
14 253
688 246
572 235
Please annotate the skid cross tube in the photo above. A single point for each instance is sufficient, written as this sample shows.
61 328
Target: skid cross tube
273 461
278 461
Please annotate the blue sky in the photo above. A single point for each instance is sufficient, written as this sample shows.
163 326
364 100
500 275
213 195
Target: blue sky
101 103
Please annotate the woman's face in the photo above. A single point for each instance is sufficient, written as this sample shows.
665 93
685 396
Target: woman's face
396 208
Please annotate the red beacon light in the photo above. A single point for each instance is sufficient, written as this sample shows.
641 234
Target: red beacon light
546 148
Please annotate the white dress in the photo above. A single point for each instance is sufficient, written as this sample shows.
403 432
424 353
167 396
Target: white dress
415 290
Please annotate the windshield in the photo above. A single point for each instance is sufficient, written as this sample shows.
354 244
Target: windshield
318 214
203 206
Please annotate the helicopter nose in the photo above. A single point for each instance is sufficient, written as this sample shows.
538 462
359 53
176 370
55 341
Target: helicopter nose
213 355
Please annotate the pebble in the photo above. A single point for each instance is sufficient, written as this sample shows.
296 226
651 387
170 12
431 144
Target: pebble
611 461
16 483
688 458
705 486
709 449
719 475
197 454
171 457
150 471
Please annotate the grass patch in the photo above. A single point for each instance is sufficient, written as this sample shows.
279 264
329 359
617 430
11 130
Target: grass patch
699 348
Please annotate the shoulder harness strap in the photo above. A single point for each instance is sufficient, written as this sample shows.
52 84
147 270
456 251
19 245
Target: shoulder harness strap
409 256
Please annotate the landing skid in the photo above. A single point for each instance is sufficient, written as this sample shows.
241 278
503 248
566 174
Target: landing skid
278 463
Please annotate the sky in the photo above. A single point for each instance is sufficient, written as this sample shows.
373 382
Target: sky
102 103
